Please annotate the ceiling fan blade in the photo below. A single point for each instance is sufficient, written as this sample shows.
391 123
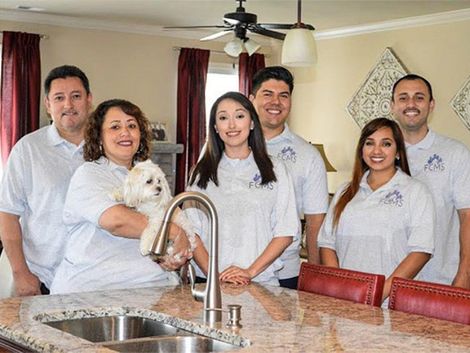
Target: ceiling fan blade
231 21
216 35
276 25
266 32
189 27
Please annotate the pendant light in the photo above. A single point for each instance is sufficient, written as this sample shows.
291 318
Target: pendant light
299 48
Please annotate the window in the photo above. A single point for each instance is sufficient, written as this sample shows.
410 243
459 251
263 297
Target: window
221 78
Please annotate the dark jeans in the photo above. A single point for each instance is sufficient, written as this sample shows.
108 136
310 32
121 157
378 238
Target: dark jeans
44 289
289 282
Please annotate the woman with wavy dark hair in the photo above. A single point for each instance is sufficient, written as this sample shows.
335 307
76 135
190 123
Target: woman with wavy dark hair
383 220
253 195
103 250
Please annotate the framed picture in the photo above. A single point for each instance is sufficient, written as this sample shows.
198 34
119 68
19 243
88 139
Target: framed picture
461 103
372 100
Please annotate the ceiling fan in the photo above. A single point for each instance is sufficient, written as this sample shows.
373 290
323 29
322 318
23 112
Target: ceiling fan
240 22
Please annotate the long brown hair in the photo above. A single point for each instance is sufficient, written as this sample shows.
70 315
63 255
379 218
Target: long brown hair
206 169
360 167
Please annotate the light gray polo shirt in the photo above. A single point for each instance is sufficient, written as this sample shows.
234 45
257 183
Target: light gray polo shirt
34 186
94 258
250 214
443 164
307 169
378 229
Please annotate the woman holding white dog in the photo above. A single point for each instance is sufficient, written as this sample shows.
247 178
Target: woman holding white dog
253 195
103 249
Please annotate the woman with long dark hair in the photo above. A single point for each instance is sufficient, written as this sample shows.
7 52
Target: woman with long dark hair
253 195
383 220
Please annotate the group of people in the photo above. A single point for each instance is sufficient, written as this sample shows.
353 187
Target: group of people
406 211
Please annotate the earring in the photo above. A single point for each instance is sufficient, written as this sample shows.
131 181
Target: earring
252 126
215 128
101 149
397 157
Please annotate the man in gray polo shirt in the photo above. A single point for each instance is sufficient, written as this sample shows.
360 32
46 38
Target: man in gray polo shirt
443 164
36 179
271 96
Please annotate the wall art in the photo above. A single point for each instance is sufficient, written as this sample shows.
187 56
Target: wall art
372 100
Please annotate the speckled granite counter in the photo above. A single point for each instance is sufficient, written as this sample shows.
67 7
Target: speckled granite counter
274 320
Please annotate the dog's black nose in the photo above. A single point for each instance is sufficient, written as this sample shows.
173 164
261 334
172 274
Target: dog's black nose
158 188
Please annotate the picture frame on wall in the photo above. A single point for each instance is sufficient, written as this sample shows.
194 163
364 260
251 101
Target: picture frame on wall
372 99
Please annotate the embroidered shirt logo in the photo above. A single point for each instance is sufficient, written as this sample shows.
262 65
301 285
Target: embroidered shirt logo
434 164
256 183
394 198
287 154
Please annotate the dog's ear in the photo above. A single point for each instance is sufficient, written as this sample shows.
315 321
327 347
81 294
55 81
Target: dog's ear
132 189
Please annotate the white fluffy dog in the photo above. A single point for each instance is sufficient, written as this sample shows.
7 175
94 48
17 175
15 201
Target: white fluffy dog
146 189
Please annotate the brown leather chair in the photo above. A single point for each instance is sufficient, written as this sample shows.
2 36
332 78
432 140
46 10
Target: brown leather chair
430 299
359 287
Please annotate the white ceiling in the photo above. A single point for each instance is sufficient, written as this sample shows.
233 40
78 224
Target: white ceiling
324 15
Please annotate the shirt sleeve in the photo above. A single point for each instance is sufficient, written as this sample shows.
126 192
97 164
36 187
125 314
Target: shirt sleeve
422 220
461 178
285 220
197 215
88 196
15 178
314 189
327 233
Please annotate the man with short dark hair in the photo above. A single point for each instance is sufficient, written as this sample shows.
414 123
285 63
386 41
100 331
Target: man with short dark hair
36 179
271 96
443 164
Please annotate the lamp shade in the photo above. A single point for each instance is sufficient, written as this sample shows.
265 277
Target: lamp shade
328 166
299 48
234 47
251 46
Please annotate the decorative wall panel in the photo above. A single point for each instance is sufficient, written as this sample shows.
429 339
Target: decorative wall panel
461 103
372 100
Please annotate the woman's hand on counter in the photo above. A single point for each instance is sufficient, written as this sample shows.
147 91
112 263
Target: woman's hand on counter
236 275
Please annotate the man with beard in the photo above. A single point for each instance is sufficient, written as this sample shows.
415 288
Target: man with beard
271 96
36 179
443 164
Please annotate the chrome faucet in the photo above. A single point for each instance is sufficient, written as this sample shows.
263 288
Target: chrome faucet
211 295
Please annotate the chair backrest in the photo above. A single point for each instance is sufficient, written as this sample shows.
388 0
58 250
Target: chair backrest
359 287
430 299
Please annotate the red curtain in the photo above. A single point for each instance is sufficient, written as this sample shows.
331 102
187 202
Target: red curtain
247 67
191 110
20 89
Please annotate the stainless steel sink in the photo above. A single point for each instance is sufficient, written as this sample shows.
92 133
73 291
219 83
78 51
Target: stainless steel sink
115 328
179 344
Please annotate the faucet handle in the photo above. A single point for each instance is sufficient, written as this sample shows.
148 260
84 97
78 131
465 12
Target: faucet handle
197 294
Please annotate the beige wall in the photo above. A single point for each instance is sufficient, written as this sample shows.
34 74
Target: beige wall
142 68
441 53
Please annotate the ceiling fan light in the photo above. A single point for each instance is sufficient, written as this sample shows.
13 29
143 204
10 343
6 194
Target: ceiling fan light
299 48
234 47
251 46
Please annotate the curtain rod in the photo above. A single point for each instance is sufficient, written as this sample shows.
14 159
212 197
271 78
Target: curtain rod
214 51
42 36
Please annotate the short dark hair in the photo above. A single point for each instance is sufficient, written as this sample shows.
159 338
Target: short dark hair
92 149
65 71
206 169
278 73
413 77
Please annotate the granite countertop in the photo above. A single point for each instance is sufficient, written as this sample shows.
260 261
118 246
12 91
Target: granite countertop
274 320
